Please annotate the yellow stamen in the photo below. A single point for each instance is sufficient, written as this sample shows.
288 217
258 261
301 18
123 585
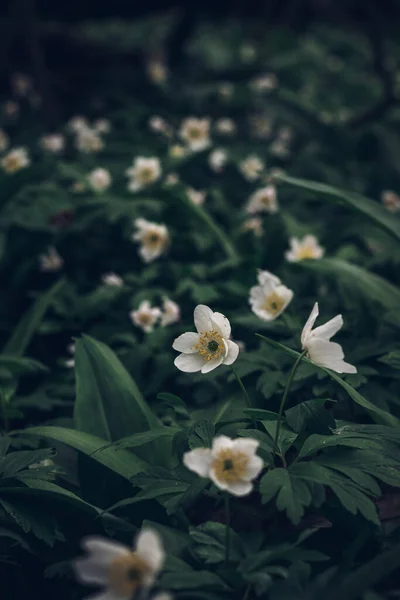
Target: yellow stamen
152 239
306 252
146 175
127 574
210 345
230 465
273 303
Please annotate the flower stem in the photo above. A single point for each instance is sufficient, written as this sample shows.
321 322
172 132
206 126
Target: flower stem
240 382
228 527
284 398
4 411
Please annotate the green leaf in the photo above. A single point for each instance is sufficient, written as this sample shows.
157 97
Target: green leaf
356 202
292 493
392 359
201 434
140 439
193 580
312 416
209 543
377 414
122 462
17 365
108 402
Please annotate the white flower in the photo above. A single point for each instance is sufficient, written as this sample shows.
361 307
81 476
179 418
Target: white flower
195 133
252 167
320 350
264 83
144 171
308 247
196 196
70 362
172 179
117 568
88 141
279 148
21 84
157 71
145 316
4 140
15 160
158 124
255 225
78 187
225 126
11 109
53 142
99 179
177 151
247 52
391 201
226 89
217 160
263 200
210 347
77 124
270 298
153 237
51 261
112 280
230 464
102 126
171 313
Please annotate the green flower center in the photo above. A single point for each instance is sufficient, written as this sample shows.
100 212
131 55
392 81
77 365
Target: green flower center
213 346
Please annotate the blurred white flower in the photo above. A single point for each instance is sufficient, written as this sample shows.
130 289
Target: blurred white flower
177 151
270 298
11 109
70 362
159 125
320 350
391 201
308 247
144 172
260 126
251 167
153 238
4 140
99 179
172 179
171 313
217 160
112 280
263 200
210 347
51 261
102 126
255 225
121 571
195 133
78 187
225 126
279 148
77 124
231 465
21 84
196 196
264 83
52 142
145 316
226 89
247 52
88 141
15 160
157 70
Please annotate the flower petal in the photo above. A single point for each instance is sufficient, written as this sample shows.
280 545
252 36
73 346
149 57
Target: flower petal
254 468
202 318
186 342
149 547
212 364
221 324
220 443
90 571
102 549
309 324
198 461
233 353
189 363
329 329
268 279
240 488
247 445
329 355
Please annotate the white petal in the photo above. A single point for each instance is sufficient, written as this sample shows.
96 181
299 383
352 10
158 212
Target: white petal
222 485
329 329
254 468
198 461
221 324
102 549
240 488
267 278
186 342
89 571
233 353
220 443
202 318
150 548
212 364
189 363
309 324
247 445
330 355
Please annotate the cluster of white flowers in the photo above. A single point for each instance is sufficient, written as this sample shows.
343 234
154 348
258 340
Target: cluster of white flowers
153 239
143 172
15 160
88 136
147 316
263 200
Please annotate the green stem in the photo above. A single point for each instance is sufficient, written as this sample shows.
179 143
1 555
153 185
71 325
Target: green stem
228 527
4 412
247 591
283 401
240 382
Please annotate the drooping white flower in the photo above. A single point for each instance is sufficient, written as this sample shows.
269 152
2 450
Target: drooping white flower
308 247
320 350
251 167
270 298
264 83
210 347
51 261
232 465
4 140
196 196
99 179
121 571
255 225
102 126
53 142
263 200
153 238
218 159
144 172
195 133
171 313
391 201
145 316
112 279
225 126
15 160
88 141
